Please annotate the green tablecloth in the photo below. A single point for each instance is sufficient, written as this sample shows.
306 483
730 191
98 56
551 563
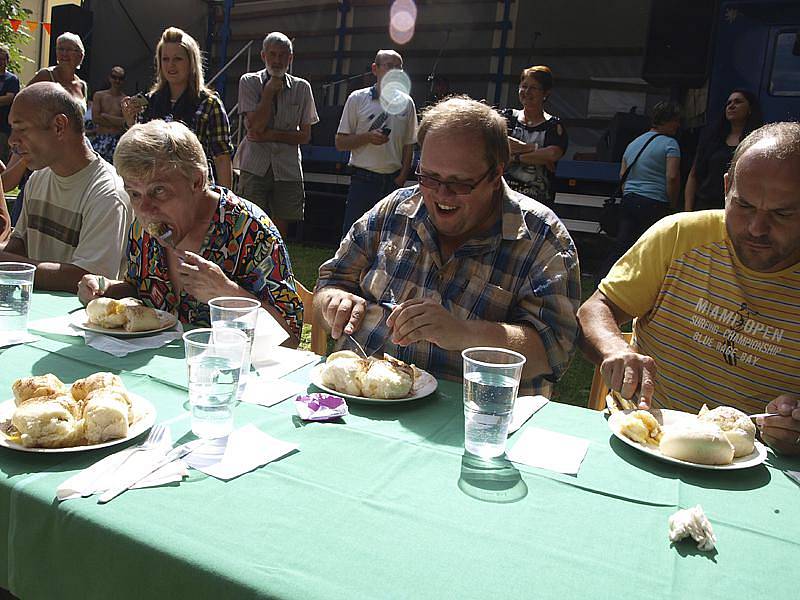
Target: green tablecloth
371 508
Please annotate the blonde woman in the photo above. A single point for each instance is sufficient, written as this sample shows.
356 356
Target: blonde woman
69 56
180 94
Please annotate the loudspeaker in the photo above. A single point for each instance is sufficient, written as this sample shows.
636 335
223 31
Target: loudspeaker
622 130
77 20
678 42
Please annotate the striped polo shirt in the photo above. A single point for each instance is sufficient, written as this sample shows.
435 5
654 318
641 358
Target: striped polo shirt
720 333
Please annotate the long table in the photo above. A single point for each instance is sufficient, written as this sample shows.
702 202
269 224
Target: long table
375 507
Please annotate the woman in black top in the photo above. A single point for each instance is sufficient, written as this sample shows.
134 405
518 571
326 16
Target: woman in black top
537 140
705 187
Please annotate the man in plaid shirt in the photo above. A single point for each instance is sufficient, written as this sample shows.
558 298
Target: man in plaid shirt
460 260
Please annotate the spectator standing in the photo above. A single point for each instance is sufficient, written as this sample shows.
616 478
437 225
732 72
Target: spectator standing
278 111
652 187
107 115
69 57
180 94
381 145
9 86
537 140
704 187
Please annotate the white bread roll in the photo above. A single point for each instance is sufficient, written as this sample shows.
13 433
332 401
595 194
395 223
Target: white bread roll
105 415
387 380
342 372
141 318
697 442
46 422
37 386
737 427
109 312
84 387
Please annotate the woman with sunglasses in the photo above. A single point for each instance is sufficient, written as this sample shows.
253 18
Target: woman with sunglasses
180 94
69 56
705 187
537 140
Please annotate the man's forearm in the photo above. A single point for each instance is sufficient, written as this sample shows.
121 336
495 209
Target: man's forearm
520 338
280 136
600 331
408 154
350 141
51 276
6 100
258 119
673 191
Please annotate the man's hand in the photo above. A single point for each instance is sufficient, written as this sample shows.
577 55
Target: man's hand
343 312
631 374
273 86
204 279
782 433
89 288
267 135
400 180
376 137
423 319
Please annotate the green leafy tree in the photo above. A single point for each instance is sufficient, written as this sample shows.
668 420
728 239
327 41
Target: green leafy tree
17 40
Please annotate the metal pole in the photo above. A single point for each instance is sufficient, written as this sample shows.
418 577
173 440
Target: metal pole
501 54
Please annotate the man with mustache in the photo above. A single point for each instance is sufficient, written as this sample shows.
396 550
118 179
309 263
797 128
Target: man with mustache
715 296
278 111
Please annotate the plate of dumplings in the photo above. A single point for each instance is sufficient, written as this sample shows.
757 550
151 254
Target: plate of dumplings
372 380
127 317
47 415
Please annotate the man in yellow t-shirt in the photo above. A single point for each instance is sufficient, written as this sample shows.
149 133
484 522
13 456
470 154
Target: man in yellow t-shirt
716 298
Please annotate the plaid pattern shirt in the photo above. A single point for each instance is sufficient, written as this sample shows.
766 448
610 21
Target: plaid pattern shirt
524 271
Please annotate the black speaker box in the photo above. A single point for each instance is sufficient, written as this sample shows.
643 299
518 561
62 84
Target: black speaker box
622 130
678 42
77 20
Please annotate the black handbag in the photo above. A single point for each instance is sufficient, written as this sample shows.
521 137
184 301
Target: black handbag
612 207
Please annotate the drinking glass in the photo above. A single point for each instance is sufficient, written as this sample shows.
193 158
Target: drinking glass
491 381
214 358
237 313
16 287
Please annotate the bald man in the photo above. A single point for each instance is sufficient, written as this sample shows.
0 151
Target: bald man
76 213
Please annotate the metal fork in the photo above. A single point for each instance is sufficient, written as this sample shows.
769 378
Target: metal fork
152 441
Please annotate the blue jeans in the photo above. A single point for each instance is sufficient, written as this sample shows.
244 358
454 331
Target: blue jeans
366 190
637 214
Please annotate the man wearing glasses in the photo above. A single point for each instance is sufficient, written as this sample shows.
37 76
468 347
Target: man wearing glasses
107 115
460 260
381 145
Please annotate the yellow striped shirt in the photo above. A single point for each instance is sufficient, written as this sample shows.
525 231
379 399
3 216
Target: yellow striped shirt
720 333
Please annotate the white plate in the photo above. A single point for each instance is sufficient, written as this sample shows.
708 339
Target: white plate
143 408
80 321
424 385
671 417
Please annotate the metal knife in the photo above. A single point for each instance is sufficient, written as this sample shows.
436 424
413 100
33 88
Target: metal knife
134 478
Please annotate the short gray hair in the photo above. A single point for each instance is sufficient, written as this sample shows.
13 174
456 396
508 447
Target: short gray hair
72 37
155 146
382 55
50 99
778 141
276 37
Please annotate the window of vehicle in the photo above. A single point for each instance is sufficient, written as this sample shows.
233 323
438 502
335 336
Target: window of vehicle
785 76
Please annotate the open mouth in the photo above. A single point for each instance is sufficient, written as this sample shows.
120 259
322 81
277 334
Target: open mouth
446 208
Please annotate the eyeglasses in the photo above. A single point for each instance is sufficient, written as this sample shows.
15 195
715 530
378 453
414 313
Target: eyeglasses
63 49
453 187
525 88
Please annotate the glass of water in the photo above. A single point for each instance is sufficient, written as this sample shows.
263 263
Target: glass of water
16 287
491 381
237 313
214 358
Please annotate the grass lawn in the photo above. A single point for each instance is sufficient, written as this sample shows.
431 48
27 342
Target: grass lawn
572 389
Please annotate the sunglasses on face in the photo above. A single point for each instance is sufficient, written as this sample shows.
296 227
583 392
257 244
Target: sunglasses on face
453 187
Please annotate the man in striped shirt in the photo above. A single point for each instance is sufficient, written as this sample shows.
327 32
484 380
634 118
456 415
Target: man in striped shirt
715 295
76 213
460 260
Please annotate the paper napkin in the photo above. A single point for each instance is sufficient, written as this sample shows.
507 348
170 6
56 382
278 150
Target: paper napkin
280 361
61 325
794 475
267 335
242 451
22 337
524 408
268 393
123 346
549 450
103 474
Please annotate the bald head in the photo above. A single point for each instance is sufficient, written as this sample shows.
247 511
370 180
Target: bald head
384 56
775 141
46 100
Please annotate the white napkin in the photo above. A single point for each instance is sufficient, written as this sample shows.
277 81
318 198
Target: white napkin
268 393
61 325
794 475
267 335
103 474
242 451
19 337
281 361
123 346
549 450
524 407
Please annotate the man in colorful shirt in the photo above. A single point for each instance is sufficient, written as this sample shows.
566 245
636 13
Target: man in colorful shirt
460 260
278 111
209 243
716 296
